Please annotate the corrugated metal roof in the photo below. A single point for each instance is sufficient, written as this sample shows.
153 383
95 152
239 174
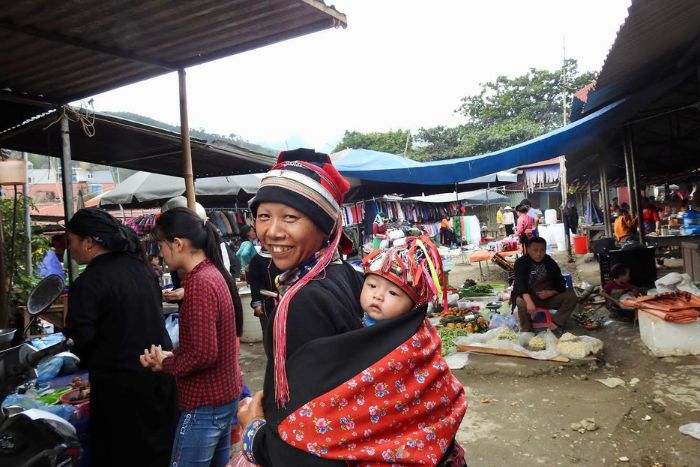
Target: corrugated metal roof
122 143
68 50
657 38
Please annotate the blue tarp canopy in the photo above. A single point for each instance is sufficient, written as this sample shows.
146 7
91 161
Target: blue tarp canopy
568 139
364 169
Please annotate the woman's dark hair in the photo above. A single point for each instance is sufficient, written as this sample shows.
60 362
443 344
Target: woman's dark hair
106 231
522 208
202 234
526 202
619 270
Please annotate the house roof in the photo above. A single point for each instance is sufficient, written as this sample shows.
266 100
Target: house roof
553 161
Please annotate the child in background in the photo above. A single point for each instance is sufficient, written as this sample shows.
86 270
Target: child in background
618 288
154 261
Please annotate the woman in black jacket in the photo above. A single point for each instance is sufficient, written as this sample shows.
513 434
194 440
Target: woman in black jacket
261 277
297 218
114 312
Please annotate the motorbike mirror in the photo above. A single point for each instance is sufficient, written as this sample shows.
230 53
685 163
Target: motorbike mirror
44 294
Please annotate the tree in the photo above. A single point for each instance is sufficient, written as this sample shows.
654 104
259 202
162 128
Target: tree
505 112
394 142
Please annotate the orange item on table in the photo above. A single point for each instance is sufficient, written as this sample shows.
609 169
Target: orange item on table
676 307
482 255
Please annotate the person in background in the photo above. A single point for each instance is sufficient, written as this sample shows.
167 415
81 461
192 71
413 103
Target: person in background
617 289
650 217
532 212
524 227
499 220
154 261
508 220
614 207
206 361
625 224
114 312
247 250
539 283
447 234
379 230
261 278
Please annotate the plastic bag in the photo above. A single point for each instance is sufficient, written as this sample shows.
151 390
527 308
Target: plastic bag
49 369
64 411
691 429
487 340
498 321
173 327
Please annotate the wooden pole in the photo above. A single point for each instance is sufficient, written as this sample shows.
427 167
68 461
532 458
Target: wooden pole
187 172
67 180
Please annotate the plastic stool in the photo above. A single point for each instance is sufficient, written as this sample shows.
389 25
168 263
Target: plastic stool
548 318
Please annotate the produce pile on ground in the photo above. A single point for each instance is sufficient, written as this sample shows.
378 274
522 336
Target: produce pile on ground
476 291
448 336
459 318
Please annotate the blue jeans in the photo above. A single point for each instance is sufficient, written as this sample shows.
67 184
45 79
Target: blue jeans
203 436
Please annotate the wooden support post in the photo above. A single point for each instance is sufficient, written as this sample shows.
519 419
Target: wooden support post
187 172
67 180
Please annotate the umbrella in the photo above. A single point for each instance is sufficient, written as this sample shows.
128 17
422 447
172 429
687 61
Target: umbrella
143 187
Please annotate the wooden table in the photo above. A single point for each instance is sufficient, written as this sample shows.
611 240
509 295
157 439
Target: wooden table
482 255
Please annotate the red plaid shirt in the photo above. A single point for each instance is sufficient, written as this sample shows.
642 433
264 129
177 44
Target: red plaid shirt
206 361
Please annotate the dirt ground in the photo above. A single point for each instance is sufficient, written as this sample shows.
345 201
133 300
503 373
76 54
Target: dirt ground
521 410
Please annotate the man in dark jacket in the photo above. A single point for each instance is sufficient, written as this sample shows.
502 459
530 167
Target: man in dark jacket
539 283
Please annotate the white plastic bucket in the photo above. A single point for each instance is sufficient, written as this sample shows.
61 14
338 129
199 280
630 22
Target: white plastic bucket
550 216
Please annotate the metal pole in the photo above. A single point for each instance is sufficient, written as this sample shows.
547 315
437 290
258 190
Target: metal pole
4 302
187 172
636 195
67 179
606 197
564 198
27 225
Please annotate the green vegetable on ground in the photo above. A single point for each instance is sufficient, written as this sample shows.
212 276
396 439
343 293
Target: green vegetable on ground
448 336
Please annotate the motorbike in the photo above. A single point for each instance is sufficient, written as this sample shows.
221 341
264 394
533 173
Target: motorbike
34 438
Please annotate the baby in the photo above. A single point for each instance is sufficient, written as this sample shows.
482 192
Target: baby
399 279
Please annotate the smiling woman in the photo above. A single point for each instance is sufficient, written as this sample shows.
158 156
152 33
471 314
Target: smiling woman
297 218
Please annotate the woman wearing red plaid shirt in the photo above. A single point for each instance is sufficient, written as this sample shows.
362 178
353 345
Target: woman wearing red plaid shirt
206 361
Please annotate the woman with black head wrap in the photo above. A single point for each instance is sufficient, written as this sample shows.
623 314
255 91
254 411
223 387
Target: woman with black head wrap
115 312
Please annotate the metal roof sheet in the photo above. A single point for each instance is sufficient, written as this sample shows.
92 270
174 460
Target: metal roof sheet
63 51
658 37
122 143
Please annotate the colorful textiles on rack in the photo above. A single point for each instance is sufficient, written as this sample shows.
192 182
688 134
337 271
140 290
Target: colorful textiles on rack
229 222
353 214
142 225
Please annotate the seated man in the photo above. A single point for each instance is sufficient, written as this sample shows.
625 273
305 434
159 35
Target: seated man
539 283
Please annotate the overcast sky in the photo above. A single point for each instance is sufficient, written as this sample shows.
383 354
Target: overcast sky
399 64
